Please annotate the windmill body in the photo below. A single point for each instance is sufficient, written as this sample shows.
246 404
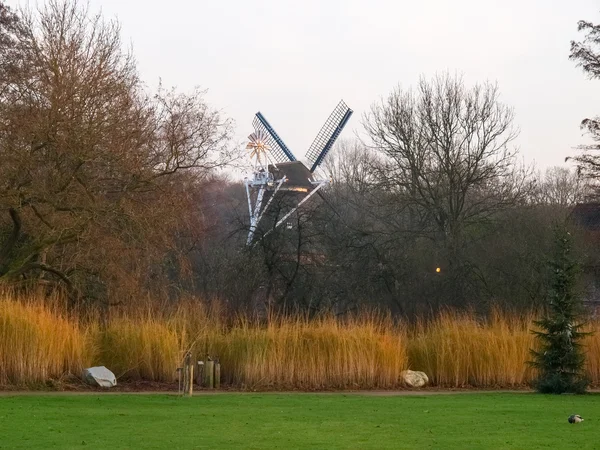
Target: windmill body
276 170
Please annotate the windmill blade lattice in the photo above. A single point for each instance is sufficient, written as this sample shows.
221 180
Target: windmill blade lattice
279 151
328 135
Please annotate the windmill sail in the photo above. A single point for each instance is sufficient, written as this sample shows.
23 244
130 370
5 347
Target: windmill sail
280 152
328 135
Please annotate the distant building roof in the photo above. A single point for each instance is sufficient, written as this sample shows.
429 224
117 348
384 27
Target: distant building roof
297 174
587 215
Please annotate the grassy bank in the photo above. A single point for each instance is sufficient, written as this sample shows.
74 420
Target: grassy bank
40 342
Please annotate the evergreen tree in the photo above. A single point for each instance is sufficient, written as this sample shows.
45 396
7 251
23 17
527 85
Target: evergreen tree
560 359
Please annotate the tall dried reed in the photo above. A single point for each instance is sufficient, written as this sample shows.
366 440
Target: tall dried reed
39 341
459 349
295 353
591 345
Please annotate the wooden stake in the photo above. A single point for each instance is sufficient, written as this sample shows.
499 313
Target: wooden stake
200 374
190 378
188 374
209 373
179 369
217 375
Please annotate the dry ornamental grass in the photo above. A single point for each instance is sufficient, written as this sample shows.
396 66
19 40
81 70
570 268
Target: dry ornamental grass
39 342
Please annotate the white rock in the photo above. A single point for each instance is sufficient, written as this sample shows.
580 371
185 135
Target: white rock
100 375
414 378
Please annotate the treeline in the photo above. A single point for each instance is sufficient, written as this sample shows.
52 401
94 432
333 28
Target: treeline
116 194
364 245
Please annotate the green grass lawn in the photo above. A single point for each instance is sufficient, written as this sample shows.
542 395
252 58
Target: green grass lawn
299 421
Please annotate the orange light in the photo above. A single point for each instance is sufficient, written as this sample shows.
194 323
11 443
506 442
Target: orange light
438 270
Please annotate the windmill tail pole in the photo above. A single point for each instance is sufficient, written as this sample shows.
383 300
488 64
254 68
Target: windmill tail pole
270 200
254 215
254 221
249 199
251 232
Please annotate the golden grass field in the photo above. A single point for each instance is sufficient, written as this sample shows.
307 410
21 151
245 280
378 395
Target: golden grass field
40 342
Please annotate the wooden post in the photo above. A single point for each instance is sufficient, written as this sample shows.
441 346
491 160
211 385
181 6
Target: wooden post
188 374
217 374
190 377
179 370
200 374
209 374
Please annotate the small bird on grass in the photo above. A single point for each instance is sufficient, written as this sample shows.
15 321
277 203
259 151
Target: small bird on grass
575 418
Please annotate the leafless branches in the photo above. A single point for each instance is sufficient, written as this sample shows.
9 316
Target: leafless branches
99 171
446 150
586 55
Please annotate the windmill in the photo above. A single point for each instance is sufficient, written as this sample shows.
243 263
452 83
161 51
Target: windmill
276 169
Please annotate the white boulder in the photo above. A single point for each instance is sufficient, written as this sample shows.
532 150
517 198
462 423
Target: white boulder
100 375
414 378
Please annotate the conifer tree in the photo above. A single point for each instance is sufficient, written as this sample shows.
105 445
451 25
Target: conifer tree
560 359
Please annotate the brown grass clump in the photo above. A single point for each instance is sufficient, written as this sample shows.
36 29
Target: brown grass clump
40 342
461 350
592 350
326 353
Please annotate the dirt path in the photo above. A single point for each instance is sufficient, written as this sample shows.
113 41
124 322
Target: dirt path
404 393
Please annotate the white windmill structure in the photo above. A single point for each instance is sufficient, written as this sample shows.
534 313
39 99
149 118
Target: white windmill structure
276 170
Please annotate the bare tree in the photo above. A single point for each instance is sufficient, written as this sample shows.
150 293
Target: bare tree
586 55
446 159
97 175
559 186
351 163
446 150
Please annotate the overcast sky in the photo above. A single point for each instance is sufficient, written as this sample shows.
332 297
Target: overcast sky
294 60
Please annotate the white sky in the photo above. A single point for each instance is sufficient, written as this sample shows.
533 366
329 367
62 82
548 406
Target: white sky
294 60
